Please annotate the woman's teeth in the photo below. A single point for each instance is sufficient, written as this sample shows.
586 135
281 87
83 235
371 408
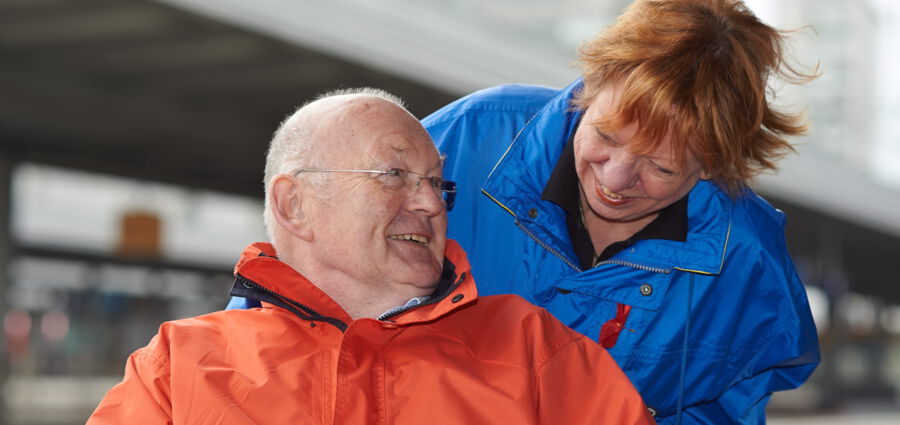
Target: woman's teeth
610 194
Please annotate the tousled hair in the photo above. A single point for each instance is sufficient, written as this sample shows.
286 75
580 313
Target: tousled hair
698 69
293 147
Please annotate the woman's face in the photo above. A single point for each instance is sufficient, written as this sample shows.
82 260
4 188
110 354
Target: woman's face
619 185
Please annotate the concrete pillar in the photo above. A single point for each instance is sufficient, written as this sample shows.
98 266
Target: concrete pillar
6 166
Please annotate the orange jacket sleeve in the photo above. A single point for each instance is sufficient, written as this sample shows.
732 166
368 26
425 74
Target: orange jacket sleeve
143 396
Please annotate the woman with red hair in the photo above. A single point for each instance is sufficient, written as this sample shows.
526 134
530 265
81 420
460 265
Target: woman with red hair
621 205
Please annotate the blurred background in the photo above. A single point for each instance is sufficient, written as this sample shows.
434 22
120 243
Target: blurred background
133 133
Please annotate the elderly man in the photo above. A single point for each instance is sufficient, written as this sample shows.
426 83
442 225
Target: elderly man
369 314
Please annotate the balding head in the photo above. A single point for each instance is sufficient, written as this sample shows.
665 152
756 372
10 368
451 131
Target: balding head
302 139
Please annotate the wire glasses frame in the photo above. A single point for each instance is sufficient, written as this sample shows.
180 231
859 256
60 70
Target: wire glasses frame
413 180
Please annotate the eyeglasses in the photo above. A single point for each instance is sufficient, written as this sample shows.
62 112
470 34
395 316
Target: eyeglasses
398 177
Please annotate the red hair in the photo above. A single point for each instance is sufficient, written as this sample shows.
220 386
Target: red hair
698 69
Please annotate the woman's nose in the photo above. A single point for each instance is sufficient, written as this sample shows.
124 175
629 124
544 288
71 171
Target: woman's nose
620 173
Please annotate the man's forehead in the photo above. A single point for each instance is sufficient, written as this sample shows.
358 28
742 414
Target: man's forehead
405 148
344 112
369 127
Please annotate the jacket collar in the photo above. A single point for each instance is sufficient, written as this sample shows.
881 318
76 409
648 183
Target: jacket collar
260 266
519 178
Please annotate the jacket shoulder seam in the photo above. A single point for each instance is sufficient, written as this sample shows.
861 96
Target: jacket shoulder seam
475 109
554 349
160 363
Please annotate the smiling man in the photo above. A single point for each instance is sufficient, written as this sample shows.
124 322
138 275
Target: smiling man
369 315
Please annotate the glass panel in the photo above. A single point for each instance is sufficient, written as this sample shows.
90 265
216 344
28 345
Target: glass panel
68 209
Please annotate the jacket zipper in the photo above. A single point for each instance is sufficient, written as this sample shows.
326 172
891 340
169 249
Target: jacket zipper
578 269
637 266
547 247
313 315
249 284
430 301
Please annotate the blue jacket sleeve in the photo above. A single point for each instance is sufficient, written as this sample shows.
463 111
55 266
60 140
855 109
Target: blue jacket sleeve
744 403
786 352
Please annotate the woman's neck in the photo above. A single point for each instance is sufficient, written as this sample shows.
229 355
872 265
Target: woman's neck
603 232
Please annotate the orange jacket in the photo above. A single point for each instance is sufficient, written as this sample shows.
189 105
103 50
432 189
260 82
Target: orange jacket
460 360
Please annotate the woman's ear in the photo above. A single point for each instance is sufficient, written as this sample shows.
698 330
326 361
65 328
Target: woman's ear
288 200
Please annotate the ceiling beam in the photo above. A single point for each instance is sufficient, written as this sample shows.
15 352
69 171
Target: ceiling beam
410 40
829 187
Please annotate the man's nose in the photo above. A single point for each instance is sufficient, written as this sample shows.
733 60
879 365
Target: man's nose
426 199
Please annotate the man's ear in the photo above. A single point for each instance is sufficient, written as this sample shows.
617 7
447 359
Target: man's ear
288 201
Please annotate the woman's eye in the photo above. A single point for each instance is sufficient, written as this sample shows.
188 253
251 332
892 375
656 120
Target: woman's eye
664 171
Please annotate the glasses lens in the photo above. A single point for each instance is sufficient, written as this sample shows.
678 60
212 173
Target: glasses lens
395 178
444 188
448 188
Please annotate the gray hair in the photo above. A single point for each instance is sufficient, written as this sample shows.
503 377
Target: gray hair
292 146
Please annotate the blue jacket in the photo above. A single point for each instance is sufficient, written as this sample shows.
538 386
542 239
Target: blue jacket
716 323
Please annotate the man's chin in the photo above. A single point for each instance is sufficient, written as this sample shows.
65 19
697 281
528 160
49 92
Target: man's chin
423 277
